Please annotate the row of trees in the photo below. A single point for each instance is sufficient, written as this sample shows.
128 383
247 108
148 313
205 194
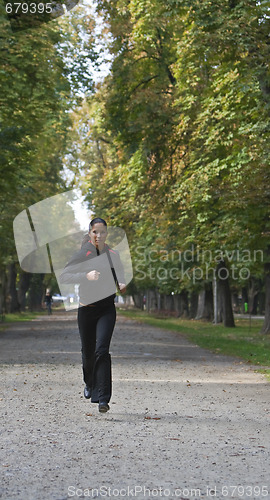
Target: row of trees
44 73
174 147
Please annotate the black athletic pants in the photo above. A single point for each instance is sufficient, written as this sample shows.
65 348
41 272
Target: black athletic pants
96 326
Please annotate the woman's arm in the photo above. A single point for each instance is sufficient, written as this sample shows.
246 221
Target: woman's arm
77 269
73 274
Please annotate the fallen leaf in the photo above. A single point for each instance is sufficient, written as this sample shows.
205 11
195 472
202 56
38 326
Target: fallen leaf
151 418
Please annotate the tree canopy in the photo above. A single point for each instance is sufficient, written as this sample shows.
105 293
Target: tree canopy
44 73
176 144
173 144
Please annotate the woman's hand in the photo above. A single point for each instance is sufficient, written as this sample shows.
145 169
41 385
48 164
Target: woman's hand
122 287
93 275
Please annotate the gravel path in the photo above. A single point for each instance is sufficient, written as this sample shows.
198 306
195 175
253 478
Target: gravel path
184 423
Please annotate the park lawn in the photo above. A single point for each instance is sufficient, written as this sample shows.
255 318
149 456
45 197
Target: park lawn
244 341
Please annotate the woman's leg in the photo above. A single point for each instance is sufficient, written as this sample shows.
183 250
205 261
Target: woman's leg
102 374
87 329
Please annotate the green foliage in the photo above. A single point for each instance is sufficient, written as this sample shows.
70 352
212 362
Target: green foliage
228 138
177 143
33 120
44 72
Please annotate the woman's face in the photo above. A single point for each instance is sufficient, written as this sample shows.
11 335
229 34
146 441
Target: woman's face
98 235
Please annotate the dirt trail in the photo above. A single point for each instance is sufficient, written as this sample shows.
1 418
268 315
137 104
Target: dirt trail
184 423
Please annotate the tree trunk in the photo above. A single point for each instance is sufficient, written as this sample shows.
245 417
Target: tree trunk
193 305
253 296
158 301
255 305
205 305
138 300
227 312
151 302
162 301
3 294
152 297
180 301
12 297
266 325
23 287
261 303
168 302
185 304
217 302
36 292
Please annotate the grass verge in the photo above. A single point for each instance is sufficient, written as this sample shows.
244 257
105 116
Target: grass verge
244 341
18 317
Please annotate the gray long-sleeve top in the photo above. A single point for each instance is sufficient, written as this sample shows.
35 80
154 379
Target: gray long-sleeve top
96 292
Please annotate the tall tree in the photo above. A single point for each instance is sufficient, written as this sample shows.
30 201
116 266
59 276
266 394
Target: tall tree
40 82
184 120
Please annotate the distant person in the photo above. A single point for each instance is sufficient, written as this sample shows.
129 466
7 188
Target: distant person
96 318
48 301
